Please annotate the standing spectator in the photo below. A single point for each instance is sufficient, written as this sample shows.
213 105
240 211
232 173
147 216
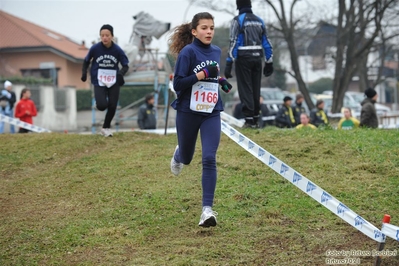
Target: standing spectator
368 114
285 115
196 74
348 122
106 77
147 118
298 108
305 122
317 116
7 101
25 109
249 47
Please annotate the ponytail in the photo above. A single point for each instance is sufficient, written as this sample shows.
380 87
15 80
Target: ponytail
181 37
182 34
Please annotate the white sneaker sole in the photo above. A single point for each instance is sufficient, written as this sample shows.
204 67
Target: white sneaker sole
211 221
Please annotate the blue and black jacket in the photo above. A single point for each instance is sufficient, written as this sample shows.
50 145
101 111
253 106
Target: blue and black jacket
248 37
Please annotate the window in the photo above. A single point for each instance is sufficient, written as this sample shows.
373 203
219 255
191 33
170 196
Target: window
45 73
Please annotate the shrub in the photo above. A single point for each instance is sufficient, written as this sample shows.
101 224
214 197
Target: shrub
128 95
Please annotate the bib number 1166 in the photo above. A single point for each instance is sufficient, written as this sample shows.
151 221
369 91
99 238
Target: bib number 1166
206 97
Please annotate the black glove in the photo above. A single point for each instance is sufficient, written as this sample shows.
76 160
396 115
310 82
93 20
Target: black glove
124 70
211 71
85 66
226 86
84 77
227 70
268 69
120 80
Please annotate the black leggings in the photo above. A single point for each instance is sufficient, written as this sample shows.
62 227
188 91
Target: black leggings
107 99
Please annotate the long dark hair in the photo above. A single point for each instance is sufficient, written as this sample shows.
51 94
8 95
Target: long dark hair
24 90
182 34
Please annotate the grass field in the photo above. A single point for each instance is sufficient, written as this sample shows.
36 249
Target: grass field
68 199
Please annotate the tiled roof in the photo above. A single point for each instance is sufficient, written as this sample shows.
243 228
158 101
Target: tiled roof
17 34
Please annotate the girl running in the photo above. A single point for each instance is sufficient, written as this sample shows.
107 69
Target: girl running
198 104
106 77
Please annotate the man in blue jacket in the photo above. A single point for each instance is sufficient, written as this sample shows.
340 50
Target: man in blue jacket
249 47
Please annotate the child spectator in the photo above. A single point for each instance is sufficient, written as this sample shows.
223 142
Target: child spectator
317 116
348 122
7 101
285 116
305 122
25 109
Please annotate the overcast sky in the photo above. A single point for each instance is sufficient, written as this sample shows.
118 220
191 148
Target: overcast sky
81 20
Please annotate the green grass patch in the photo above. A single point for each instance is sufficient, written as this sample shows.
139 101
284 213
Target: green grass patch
71 199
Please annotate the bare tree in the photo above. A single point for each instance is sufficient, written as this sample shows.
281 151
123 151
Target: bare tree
287 28
359 25
386 45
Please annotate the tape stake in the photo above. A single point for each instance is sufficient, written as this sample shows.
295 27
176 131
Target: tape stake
386 219
304 184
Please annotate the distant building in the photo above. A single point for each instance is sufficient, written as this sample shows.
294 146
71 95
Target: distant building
27 49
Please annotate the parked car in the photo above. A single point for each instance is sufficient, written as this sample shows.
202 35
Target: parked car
348 102
355 107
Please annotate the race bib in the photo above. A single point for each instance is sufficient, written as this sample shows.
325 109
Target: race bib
106 77
204 96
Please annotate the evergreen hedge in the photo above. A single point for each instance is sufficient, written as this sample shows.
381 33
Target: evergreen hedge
128 95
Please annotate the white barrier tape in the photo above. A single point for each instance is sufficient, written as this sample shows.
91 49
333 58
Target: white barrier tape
304 184
19 123
390 230
231 120
268 118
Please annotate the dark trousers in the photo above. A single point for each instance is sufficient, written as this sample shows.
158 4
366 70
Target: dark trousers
249 75
187 126
107 99
23 130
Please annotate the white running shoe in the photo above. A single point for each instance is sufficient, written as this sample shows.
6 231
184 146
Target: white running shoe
106 132
208 217
175 166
